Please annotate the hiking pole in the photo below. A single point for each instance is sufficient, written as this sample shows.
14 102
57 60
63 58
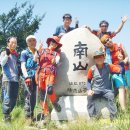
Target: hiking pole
37 94
44 102
38 85
42 108
26 88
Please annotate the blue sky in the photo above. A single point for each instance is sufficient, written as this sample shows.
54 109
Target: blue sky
89 12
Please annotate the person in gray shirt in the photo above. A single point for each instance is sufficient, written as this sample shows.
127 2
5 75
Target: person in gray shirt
9 64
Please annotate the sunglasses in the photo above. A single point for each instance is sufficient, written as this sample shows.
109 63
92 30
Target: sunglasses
107 40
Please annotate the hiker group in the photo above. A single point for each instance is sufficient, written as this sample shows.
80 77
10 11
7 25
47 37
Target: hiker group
105 79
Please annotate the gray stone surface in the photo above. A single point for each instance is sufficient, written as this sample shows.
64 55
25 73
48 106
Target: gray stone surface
74 107
70 81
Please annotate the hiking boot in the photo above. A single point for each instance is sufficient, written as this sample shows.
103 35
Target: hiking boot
112 117
7 118
57 106
39 117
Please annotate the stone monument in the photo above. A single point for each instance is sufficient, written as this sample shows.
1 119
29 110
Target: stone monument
76 58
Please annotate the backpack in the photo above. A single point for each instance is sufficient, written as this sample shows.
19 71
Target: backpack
45 52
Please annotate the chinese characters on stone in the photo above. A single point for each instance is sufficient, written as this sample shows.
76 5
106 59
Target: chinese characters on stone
80 50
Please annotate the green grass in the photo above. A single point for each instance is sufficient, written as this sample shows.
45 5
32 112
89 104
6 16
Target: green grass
17 120
103 124
122 122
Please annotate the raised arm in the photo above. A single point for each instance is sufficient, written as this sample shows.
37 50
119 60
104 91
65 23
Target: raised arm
123 20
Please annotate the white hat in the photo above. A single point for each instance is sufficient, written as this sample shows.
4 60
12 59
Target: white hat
29 37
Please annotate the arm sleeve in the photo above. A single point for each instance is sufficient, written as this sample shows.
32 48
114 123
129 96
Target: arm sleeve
112 34
88 85
23 68
114 68
89 76
3 59
36 56
95 32
23 56
23 63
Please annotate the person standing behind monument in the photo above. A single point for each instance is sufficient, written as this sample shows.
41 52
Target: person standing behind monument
29 66
103 28
65 28
118 80
10 78
99 84
45 76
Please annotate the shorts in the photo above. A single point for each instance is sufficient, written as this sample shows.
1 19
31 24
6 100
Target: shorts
119 80
127 75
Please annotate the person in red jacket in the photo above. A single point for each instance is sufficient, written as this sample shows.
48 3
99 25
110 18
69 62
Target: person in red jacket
116 52
45 78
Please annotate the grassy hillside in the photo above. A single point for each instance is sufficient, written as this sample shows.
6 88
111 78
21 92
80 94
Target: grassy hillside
122 122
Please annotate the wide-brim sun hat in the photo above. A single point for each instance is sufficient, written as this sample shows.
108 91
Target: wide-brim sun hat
56 39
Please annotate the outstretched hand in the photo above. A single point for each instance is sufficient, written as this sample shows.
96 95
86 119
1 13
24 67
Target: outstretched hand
124 19
40 45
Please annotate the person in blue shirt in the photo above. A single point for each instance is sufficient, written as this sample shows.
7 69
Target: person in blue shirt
65 28
29 66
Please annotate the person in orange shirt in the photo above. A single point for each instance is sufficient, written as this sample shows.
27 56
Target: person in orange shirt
117 51
99 84
45 78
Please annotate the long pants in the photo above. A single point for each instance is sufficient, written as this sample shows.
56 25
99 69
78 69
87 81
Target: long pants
45 81
9 95
30 100
108 95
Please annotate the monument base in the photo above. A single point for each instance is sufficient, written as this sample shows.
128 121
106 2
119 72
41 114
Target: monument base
74 107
